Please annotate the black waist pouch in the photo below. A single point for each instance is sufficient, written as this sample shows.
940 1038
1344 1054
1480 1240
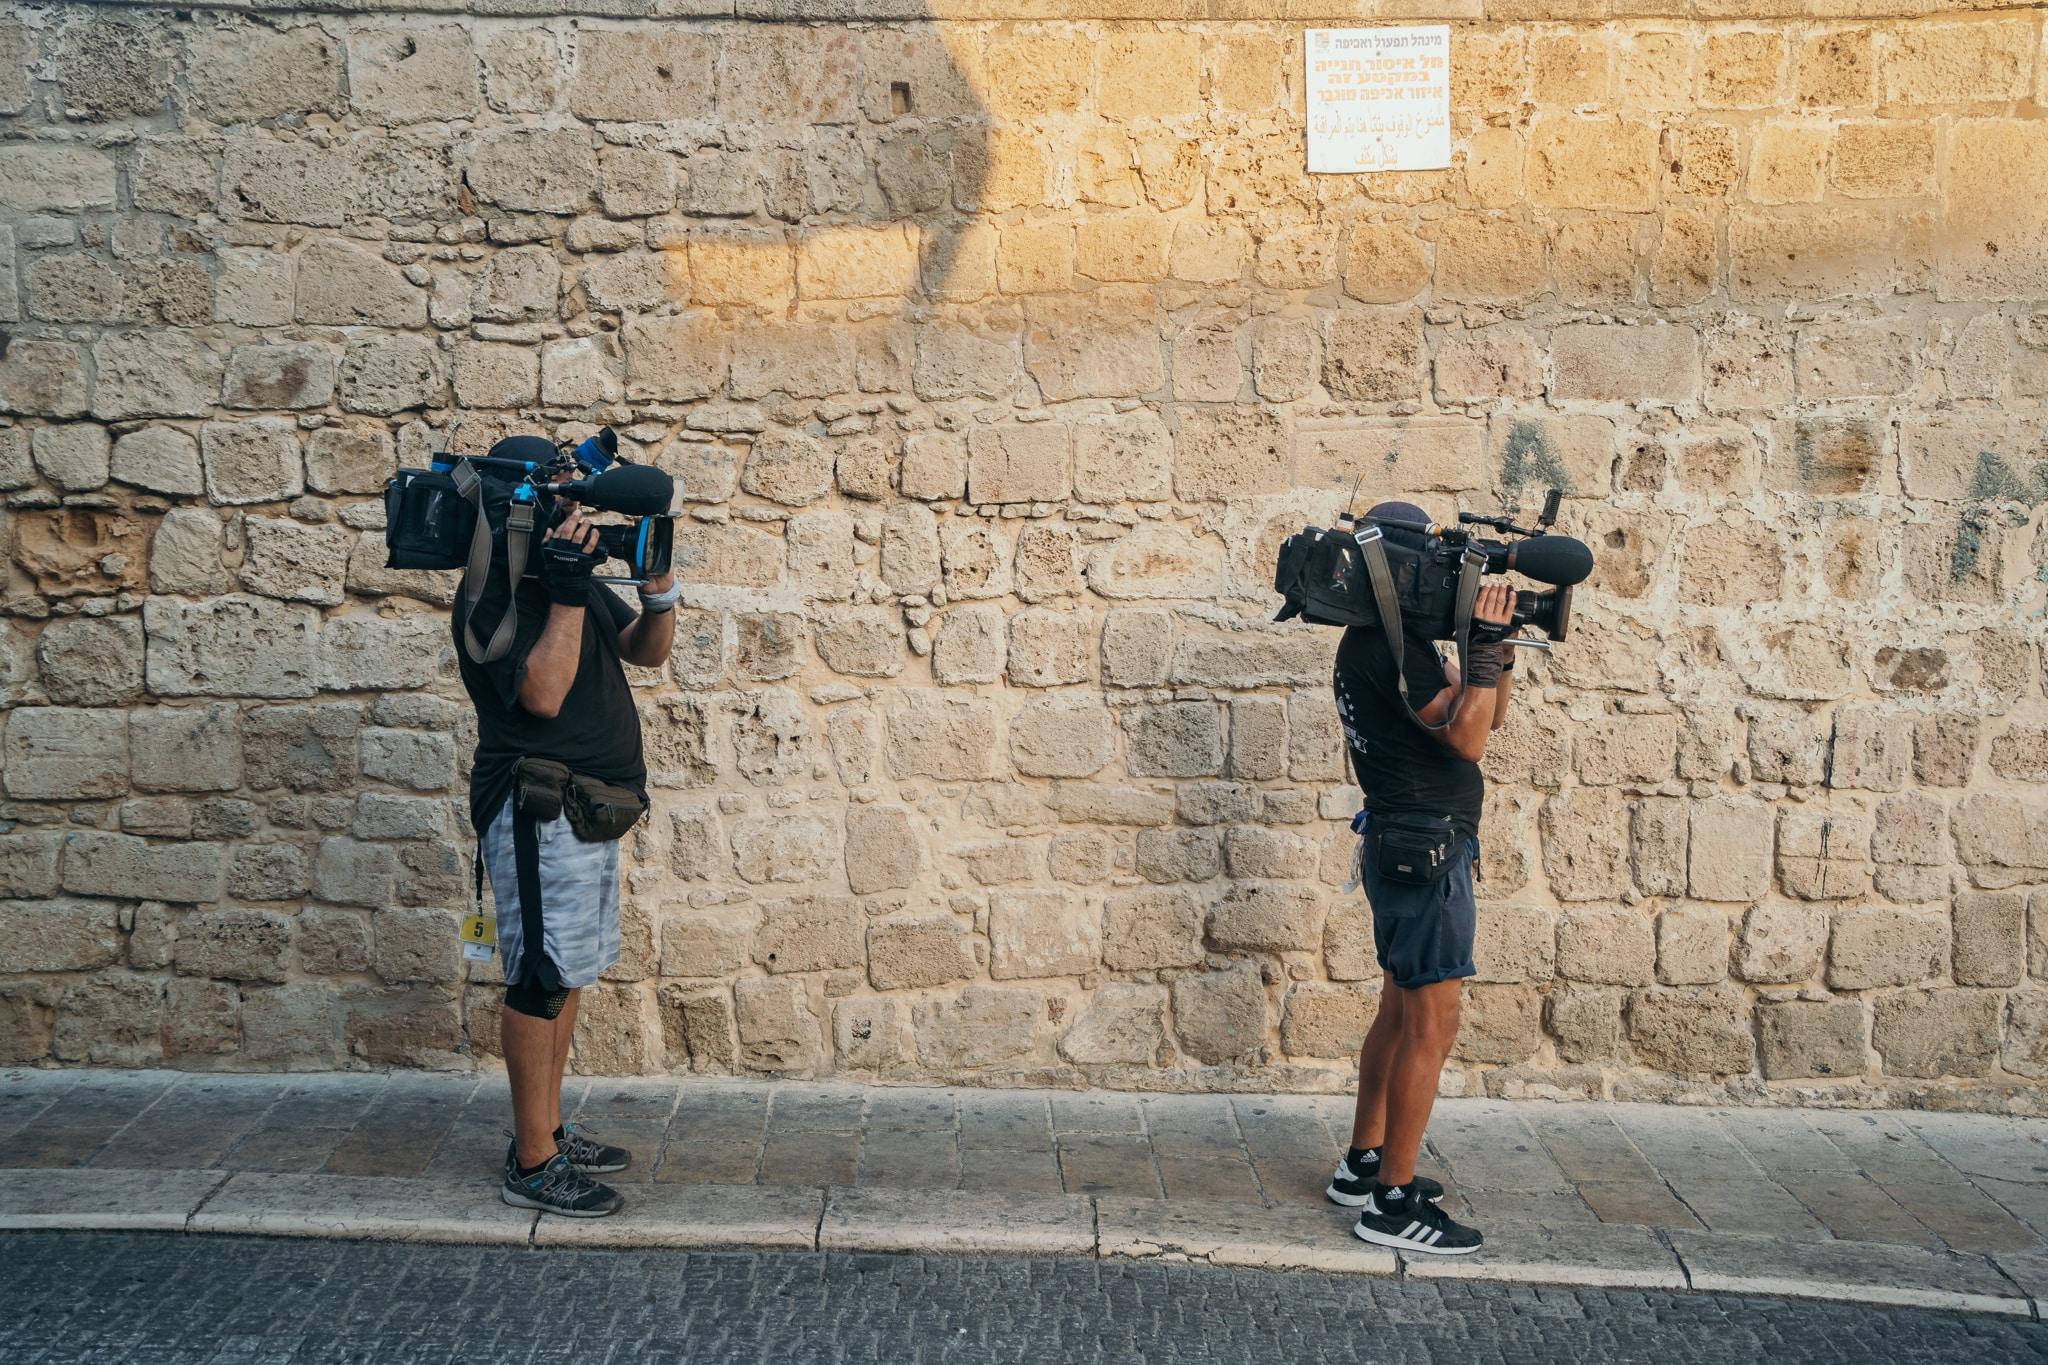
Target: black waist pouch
1412 848
599 811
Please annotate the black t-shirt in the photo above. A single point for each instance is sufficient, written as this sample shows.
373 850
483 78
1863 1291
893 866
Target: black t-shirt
598 729
1399 767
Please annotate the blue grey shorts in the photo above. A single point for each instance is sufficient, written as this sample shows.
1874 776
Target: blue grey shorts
1424 933
579 898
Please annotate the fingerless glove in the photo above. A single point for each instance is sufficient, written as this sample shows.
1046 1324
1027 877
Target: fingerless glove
566 570
1481 665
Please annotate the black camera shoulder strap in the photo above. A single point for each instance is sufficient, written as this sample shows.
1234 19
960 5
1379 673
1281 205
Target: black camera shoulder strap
1472 564
518 535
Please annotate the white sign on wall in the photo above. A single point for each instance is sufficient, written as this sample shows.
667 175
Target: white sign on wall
1379 99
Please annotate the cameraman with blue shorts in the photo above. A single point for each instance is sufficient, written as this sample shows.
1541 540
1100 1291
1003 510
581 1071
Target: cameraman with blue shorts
1419 848
556 723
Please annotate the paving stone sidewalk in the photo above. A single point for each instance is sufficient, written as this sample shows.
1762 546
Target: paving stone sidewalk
1936 1210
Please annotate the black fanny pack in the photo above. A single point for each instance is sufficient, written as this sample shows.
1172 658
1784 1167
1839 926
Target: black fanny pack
1413 848
599 812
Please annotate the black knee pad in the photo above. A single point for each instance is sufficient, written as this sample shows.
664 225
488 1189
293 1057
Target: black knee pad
535 1001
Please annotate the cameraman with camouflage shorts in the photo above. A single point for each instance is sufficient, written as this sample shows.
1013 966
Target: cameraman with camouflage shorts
1415 778
559 696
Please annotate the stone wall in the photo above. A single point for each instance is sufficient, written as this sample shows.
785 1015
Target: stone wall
995 359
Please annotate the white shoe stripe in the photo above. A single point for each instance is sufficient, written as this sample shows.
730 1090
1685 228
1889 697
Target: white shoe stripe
1435 1235
1409 1232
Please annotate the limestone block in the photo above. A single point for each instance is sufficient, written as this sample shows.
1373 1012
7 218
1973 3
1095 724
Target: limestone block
2025 1052
63 753
56 935
1261 916
296 563
797 359
1953 63
934 467
1479 259
1730 858
1174 739
408 758
1797 1039
704 944
809 935
230 647
1374 358
868 1034
1789 747
1137 645
782 848
1042 933
60 176
344 285
1871 749
1837 67
392 374
1692 1031
1659 830
919 951
2021 754
47 378
1823 855
1319 1020
347 871
1585 1022
28 863
778 1033
1221 1016
1879 946
968 645
144 374
1780 943
490 375
349 460
1516 943
91 661
412 74
1628 749
1500 1024
1315 743
1606 945
1585 844
1154 563
1692 946
1651 364
1019 464
858 263
1049 648
1593 163
535 170
1120 459
1124 1024
673 359
110 1019
186 748
1800 253
1937 1032
381 653
74 458
1178 855
864 642
788 467
1150 929
883 851
1253 851
304 748
985 1025
942 737
121 865
239 945
252 461
1989 930
1996 836
1258 739
1095 358
1062 736
248 73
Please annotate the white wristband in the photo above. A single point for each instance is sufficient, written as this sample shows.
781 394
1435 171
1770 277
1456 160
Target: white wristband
663 600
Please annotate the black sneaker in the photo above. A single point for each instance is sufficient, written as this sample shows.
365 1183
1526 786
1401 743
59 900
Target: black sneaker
559 1187
1413 1225
1354 1181
590 1156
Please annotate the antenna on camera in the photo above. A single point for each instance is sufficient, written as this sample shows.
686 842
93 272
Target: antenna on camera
1550 502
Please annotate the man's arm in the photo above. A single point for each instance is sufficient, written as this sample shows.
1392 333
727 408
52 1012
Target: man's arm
551 664
1474 710
646 641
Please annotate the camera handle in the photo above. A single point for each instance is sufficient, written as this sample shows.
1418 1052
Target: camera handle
1520 643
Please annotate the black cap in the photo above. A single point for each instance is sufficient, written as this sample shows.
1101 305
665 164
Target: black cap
532 449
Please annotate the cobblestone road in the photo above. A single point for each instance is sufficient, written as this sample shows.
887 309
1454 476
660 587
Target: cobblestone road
138 1299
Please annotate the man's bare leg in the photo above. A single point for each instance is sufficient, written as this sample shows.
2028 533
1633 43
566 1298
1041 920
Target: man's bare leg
1429 1025
536 1084
1375 1061
565 1030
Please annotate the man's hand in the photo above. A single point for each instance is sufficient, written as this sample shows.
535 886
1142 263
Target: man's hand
658 584
646 642
568 556
1491 615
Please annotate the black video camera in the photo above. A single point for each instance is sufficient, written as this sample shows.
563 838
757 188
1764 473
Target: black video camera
1430 573
461 513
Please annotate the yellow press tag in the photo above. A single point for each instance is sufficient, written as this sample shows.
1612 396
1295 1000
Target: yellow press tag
481 929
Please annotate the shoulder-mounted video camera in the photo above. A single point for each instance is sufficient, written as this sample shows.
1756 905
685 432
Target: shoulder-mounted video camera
475 512
1423 576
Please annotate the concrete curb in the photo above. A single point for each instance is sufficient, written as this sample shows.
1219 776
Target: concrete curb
834 1218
